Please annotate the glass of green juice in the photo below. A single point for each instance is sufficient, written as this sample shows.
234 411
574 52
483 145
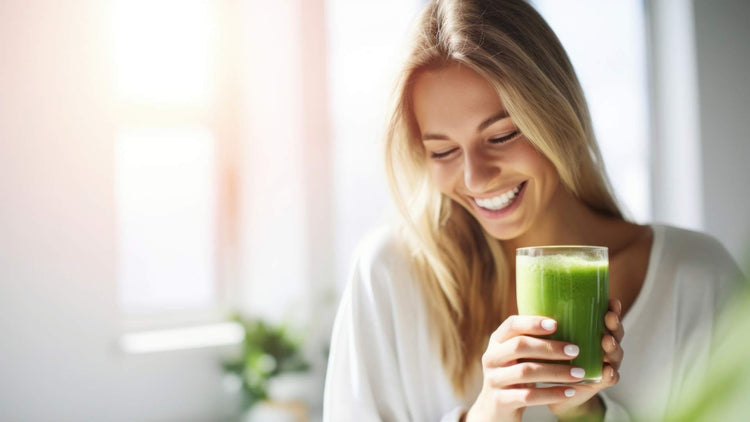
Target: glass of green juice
569 284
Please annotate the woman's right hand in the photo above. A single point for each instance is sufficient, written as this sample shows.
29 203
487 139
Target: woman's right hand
509 378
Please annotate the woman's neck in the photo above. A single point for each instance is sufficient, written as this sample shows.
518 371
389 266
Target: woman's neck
567 221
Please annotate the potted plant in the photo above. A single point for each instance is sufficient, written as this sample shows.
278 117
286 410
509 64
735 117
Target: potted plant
268 351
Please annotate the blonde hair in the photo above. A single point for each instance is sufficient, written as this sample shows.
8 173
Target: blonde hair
462 268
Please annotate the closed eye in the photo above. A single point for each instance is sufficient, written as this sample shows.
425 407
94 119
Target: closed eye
506 138
440 155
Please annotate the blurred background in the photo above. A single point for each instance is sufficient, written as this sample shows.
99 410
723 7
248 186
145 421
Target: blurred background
182 182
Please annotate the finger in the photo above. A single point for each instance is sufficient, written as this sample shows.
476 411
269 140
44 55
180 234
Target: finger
613 353
614 325
610 376
525 347
532 372
615 305
524 397
516 325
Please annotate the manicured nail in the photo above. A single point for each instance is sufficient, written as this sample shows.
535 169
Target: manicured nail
549 324
614 343
570 392
571 350
612 373
577 372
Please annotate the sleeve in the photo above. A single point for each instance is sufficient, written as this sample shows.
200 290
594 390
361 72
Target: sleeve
362 380
706 284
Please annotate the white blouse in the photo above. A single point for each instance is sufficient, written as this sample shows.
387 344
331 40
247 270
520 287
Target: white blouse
383 366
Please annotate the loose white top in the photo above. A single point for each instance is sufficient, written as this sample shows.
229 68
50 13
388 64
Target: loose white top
383 366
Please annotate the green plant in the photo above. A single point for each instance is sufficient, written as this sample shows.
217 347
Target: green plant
267 351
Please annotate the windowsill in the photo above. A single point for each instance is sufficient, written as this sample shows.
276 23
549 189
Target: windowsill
183 338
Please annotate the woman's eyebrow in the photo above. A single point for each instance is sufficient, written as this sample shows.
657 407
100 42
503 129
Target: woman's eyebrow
482 126
492 119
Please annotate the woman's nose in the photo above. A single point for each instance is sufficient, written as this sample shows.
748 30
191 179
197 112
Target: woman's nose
479 171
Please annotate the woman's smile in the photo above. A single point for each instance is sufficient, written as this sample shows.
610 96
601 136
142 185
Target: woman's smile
497 206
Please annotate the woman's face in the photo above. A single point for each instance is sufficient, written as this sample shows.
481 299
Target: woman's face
476 155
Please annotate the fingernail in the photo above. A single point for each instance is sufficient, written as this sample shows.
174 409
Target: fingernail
549 324
570 392
617 318
612 372
619 306
571 350
614 343
577 372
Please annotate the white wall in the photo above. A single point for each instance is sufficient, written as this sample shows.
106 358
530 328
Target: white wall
613 73
722 35
700 101
58 308
676 180
366 40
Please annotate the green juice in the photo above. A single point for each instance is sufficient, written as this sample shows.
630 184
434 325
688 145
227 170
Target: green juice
574 291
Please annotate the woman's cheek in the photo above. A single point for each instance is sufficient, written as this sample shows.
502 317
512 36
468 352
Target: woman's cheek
444 177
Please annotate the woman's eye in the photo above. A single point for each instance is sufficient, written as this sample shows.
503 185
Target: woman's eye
439 155
506 138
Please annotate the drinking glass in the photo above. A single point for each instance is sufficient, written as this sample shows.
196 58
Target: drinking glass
569 284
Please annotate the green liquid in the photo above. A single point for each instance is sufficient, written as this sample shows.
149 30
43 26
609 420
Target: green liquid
574 292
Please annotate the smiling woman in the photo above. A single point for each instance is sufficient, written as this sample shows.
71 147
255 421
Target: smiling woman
490 148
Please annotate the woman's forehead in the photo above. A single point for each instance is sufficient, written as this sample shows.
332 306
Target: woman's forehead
453 95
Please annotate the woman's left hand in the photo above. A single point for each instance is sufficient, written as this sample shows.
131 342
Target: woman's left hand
585 403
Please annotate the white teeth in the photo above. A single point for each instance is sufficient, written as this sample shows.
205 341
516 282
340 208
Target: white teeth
499 202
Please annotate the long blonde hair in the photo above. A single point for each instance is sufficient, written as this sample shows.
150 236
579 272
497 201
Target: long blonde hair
462 268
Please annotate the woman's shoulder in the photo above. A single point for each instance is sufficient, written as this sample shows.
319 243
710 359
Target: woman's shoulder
382 246
691 246
381 281
692 252
382 260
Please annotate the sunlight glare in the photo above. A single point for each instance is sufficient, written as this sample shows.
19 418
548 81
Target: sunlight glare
162 50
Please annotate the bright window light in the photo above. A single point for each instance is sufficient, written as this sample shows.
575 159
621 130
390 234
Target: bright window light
163 52
226 333
165 204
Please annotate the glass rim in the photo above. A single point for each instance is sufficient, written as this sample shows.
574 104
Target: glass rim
554 247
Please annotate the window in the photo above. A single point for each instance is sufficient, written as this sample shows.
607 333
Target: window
172 158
